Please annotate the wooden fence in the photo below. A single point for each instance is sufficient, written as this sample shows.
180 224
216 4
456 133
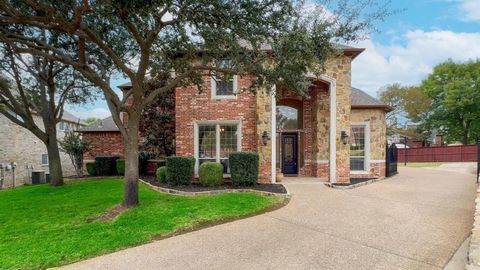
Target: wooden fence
457 153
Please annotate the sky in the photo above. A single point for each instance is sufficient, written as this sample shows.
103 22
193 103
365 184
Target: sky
408 44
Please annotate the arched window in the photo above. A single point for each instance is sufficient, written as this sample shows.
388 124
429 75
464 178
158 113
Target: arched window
289 115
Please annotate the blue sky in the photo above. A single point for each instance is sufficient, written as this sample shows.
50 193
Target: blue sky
409 44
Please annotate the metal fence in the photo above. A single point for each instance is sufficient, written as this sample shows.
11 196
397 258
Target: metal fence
391 160
457 153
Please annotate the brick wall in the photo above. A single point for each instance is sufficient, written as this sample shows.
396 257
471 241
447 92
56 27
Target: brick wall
104 144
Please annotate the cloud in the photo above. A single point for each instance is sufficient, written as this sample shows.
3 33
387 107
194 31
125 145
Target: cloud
469 10
83 114
410 63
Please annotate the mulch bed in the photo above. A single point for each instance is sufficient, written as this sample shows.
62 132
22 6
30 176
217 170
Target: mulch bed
197 187
353 181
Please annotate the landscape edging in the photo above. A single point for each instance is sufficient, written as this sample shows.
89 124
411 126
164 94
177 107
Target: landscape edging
474 247
356 185
213 192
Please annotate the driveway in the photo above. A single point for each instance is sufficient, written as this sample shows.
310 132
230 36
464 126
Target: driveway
415 220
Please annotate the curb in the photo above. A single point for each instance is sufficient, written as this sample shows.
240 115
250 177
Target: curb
474 247
371 181
213 192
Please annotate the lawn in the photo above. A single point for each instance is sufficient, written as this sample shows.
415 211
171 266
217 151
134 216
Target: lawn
43 226
421 164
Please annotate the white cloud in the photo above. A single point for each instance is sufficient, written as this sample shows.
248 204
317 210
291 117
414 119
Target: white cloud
410 63
83 114
470 10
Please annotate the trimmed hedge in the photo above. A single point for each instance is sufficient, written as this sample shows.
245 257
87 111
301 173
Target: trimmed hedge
121 166
243 168
161 163
179 170
211 174
162 174
91 168
106 165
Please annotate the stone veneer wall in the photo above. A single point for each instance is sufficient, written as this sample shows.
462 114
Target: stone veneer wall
339 68
378 139
19 145
264 123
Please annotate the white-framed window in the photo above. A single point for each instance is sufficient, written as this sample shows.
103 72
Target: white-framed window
224 86
359 147
214 141
45 159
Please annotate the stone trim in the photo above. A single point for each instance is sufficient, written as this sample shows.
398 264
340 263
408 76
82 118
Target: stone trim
474 248
355 185
213 192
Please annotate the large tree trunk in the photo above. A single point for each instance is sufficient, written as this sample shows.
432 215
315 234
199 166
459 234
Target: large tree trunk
465 137
54 161
130 198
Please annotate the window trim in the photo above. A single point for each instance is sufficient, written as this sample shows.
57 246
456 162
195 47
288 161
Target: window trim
48 161
366 126
217 124
213 87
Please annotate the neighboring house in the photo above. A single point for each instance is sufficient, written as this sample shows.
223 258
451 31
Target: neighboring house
335 132
19 145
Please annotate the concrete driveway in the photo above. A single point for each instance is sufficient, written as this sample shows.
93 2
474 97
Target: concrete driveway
415 220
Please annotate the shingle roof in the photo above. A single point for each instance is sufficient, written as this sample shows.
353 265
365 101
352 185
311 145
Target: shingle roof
106 124
70 117
360 99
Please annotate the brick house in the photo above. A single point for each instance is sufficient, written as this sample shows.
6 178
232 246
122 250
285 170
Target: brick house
335 132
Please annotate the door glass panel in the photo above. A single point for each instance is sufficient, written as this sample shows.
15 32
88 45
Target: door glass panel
288 155
357 148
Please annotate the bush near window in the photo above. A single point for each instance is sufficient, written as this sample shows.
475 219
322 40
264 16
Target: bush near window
243 168
106 165
91 168
211 174
161 163
161 174
121 166
179 170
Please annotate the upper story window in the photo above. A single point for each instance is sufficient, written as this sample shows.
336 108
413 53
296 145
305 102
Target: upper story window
224 86
45 159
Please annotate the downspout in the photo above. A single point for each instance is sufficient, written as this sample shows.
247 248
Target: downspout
273 133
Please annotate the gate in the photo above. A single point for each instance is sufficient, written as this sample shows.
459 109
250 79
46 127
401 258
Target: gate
391 160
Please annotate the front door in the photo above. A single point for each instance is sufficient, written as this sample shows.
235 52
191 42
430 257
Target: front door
289 153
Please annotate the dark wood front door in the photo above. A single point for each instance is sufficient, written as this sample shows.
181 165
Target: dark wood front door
289 153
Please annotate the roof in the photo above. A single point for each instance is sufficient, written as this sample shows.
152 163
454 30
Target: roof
71 118
103 125
362 100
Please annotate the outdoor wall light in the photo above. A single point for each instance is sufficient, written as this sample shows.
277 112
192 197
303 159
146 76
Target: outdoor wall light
344 137
265 138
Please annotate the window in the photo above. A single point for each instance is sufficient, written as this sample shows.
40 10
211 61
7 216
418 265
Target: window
64 126
44 159
357 148
287 118
216 142
224 86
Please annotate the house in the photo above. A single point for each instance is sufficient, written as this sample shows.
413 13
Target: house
19 145
335 132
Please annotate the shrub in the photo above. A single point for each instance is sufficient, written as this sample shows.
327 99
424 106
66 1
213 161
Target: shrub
211 174
243 168
121 166
91 168
161 174
106 165
179 170
161 163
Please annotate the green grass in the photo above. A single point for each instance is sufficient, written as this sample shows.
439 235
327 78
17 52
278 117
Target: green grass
43 226
421 164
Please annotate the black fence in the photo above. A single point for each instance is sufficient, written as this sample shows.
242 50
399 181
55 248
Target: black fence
391 162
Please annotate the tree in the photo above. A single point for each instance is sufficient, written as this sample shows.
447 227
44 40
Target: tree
37 86
75 147
90 120
454 89
162 45
410 106
157 125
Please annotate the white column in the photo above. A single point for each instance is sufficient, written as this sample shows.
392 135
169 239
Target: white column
273 134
